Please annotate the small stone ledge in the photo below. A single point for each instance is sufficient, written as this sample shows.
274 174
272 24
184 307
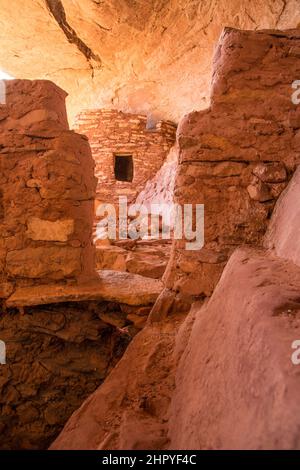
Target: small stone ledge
112 286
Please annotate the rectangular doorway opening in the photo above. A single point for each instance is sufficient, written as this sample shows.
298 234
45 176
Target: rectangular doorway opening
123 167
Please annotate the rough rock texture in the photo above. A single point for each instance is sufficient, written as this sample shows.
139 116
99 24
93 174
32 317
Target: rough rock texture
236 156
112 133
113 286
224 380
160 189
56 356
61 342
47 190
130 410
236 386
64 327
236 378
284 224
143 56
147 258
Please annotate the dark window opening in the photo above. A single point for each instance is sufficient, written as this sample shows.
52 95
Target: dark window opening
124 167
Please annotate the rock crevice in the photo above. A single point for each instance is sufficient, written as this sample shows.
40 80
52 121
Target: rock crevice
57 10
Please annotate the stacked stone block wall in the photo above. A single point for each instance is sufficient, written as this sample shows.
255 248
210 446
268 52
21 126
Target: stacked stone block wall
111 133
237 156
47 190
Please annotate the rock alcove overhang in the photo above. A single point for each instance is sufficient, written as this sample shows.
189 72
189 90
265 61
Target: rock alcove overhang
145 56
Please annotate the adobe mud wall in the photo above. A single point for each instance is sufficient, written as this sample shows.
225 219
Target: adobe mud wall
112 133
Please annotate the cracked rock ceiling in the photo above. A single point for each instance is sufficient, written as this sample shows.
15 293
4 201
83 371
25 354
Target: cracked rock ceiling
150 56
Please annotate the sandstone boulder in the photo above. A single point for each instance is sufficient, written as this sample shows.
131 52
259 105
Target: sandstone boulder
236 378
283 232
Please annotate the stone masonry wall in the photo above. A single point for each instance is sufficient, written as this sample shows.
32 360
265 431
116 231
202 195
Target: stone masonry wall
111 132
237 156
47 188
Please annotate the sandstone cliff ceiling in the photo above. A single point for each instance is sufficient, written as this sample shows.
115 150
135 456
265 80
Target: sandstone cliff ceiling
150 56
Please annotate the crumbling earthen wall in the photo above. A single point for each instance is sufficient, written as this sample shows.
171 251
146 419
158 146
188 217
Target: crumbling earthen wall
112 133
47 190
237 156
